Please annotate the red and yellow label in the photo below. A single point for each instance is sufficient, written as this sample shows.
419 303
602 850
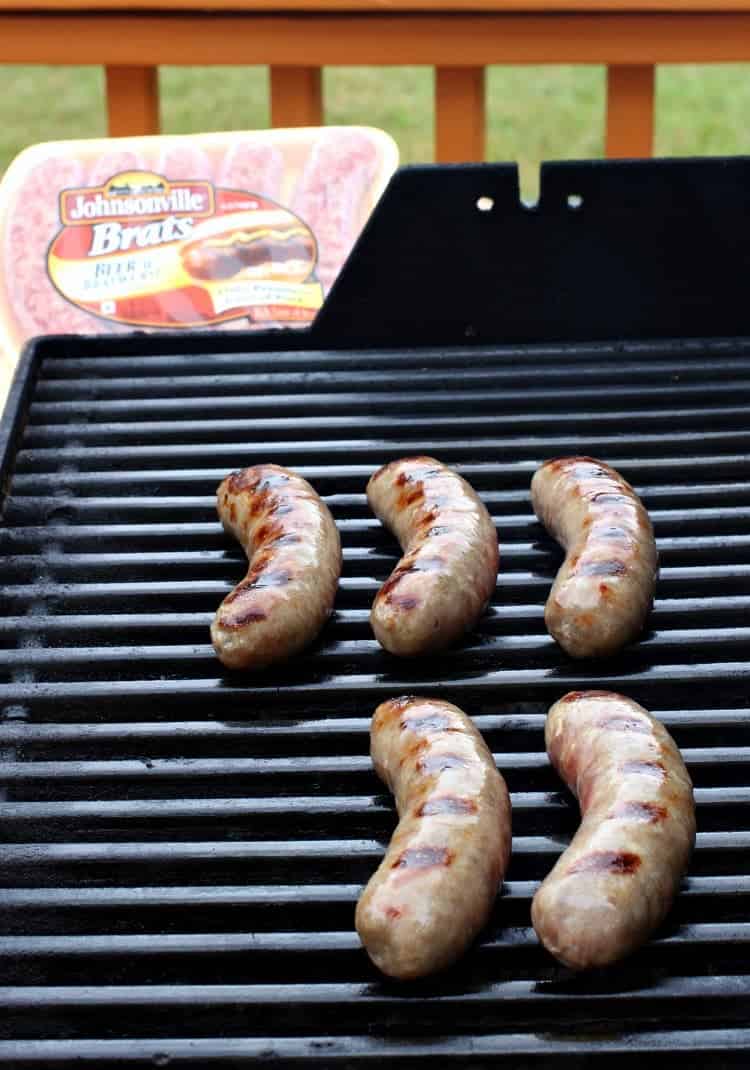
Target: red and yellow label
151 252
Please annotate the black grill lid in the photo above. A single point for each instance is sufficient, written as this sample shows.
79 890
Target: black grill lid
183 847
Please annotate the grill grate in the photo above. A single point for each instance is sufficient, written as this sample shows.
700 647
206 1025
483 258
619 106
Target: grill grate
184 847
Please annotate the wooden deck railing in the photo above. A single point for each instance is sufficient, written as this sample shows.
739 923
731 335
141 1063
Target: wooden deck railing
297 38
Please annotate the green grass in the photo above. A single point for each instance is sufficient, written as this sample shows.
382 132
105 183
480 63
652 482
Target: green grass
534 113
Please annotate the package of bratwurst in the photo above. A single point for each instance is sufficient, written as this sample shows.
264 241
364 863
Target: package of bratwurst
209 231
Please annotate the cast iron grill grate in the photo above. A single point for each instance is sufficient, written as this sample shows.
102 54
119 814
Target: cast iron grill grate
183 848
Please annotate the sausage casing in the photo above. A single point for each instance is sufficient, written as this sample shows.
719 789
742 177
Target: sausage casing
294 554
616 881
605 587
448 572
435 888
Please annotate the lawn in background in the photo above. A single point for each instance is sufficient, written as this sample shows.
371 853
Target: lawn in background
534 113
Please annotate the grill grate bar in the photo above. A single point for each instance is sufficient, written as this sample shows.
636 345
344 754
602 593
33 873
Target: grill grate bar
536 359
356 476
51 553
247 895
42 460
533 647
544 680
469 424
338 727
155 809
679 375
725 608
370 851
298 765
517 526
343 1050
404 401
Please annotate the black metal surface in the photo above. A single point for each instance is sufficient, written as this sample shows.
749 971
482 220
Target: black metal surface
632 249
183 847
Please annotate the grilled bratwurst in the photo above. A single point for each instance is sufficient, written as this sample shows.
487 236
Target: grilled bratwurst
444 580
616 881
294 555
435 888
605 587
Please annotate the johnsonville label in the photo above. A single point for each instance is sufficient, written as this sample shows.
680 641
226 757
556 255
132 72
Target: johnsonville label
151 252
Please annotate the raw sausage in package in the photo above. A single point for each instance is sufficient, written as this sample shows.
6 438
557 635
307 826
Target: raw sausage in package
229 230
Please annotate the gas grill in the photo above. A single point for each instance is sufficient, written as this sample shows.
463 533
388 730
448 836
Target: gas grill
183 846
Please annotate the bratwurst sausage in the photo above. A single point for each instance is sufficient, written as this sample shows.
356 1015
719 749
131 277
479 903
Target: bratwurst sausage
294 555
605 587
435 888
616 881
444 580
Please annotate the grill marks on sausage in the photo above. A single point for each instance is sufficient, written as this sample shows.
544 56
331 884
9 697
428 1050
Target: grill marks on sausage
611 532
403 601
264 578
434 722
436 884
615 883
428 519
269 535
621 722
574 696
245 591
420 502
608 497
396 704
250 479
406 476
408 568
648 812
289 539
602 568
453 805
641 768
250 616
429 564
262 501
418 472
583 468
412 484
275 609
615 862
587 465
410 498
421 858
433 764
393 581
278 479
413 749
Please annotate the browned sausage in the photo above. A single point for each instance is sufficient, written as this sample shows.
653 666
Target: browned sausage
616 881
435 888
294 555
444 580
605 587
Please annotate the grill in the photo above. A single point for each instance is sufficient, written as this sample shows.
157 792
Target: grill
183 848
